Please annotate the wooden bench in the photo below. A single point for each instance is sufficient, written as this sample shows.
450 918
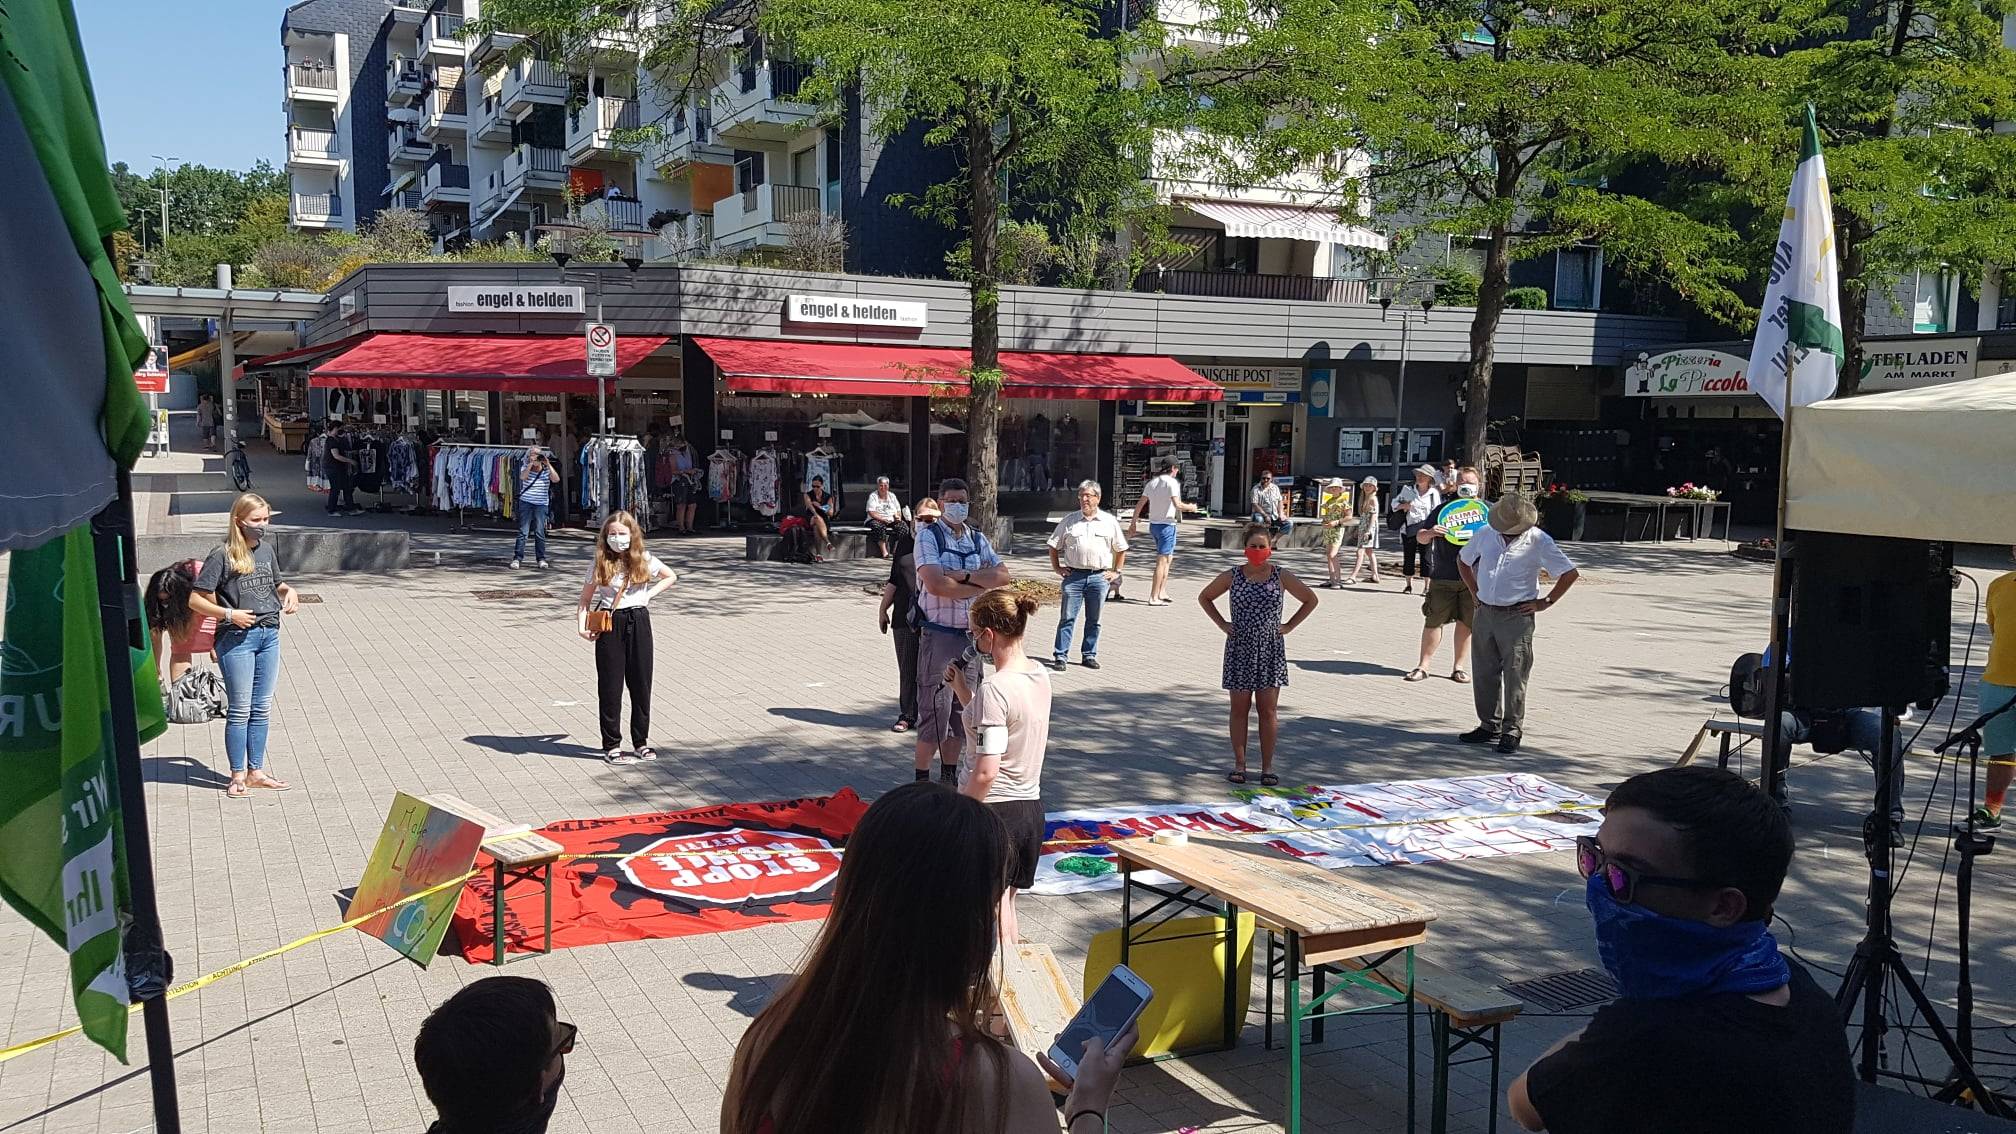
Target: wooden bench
1462 1013
1037 999
517 853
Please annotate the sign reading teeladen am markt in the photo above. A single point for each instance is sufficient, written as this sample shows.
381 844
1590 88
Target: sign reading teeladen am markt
855 311
505 300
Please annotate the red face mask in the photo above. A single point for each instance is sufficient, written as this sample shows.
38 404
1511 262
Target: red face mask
1258 555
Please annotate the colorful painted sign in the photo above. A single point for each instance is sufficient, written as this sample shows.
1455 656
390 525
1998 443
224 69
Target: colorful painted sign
1460 519
419 847
1689 374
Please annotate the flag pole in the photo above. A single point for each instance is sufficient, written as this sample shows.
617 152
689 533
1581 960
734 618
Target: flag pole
149 969
1775 700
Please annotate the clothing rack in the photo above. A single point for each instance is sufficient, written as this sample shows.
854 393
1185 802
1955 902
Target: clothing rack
461 511
724 509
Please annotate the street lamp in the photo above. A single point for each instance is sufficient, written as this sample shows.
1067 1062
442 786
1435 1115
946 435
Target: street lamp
1390 289
164 159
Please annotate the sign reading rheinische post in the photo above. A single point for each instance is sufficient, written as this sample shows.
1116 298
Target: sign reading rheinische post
856 311
507 300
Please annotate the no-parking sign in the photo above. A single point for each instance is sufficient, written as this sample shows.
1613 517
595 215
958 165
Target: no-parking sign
1460 519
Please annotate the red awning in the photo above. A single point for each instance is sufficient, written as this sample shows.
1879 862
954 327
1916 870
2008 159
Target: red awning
774 366
874 370
523 364
1108 377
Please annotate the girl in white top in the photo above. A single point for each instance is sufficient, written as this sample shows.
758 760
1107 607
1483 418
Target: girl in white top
623 581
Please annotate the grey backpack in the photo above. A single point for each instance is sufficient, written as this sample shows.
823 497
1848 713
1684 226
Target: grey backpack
197 697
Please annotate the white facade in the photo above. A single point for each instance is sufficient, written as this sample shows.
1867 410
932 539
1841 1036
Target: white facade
316 97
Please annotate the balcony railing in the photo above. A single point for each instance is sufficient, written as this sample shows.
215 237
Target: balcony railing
526 160
1245 285
401 70
788 78
449 100
316 76
307 140
788 201
445 176
445 25
617 113
406 199
318 205
621 215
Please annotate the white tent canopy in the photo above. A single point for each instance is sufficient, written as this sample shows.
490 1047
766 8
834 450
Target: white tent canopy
1933 463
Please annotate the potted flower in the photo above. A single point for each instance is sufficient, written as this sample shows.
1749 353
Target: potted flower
1563 512
1692 491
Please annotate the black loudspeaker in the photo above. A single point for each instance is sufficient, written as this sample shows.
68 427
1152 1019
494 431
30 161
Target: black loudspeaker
1871 621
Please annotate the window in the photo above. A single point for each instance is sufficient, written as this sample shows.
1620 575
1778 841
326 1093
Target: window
1578 279
1934 296
2005 312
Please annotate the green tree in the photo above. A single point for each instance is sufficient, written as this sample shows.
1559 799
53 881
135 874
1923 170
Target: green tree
201 201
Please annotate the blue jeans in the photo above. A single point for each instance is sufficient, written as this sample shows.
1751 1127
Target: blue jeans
250 660
531 518
1082 590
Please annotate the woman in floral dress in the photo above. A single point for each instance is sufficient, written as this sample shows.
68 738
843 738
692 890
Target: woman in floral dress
1256 653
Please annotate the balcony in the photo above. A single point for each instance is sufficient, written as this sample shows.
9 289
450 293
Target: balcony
405 199
533 82
1183 22
405 146
316 210
1191 163
493 46
684 139
755 217
403 81
534 167
593 126
761 103
312 146
489 198
446 113
444 184
312 81
1245 285
441 35
616 216
688 239
491 124
409 13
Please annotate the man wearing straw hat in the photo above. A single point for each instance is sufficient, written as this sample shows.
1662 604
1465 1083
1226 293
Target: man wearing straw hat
1501 565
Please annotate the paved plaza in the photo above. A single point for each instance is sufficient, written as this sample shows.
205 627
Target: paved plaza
772 683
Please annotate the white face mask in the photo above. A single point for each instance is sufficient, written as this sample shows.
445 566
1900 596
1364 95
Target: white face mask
618 540
955 513
1466 490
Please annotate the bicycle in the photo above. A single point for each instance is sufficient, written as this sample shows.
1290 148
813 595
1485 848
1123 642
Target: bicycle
237 464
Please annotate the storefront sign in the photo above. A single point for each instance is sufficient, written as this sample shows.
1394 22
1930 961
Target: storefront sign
856 312
516 300
1275 379
1902 366
1689 374
1460 519
1319 392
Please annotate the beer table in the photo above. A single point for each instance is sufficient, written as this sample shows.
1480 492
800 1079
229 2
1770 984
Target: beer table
1323 916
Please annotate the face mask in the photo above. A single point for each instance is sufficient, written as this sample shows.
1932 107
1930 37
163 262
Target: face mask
618 540
1656 956
1258 555
252 530
955 513
1466 490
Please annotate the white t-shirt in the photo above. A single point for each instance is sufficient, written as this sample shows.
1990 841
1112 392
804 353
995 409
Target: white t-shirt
1019 703
1508 571
1420 505
1088 543
1267 502
1164 495
884 506
615 596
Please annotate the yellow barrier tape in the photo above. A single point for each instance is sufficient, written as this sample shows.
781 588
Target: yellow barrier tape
184 989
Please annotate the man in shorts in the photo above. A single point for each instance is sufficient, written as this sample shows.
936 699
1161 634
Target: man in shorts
955 565
1448 599
1163 504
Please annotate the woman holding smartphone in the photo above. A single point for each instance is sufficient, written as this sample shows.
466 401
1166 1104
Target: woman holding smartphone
885 1026
1007 729
1256 648
240 587
615 615
819 512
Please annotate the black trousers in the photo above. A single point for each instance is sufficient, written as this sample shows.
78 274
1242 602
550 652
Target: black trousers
623 659
906 666
1411 550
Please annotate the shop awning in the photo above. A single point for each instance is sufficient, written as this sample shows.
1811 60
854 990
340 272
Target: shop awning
772 366
522 364
300 356
873 370
1285 222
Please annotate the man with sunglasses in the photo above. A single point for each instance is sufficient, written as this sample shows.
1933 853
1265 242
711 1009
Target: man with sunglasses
1713 1028
492 1058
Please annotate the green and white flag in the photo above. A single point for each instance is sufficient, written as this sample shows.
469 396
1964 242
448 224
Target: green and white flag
1799 329
62 848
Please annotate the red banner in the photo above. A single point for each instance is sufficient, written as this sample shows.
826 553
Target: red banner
670 874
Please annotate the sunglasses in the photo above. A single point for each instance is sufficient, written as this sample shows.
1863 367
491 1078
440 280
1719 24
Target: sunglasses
568 1034
1625 880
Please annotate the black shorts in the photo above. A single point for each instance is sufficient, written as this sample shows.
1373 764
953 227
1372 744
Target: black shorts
1024 820
681 492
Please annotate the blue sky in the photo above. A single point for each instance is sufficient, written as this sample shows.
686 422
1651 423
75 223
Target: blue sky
194 79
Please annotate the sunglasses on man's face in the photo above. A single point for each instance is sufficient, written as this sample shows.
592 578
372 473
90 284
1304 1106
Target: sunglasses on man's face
565 1046
1622 880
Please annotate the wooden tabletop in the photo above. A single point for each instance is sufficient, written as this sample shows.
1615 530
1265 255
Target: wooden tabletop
1336 916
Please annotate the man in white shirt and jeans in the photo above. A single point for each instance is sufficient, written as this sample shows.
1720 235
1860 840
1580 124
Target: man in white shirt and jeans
1267 506
1162 502
1086 551
1501 565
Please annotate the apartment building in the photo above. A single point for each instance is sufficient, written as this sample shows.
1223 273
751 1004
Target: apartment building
332 93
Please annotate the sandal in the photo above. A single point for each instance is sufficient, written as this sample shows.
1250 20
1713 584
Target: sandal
262 780
646 752
239 789
618 758
1416 675
1460 678
1237 775
1269 779
903 724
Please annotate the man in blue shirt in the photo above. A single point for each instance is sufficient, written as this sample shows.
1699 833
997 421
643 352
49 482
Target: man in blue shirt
955 565
535 503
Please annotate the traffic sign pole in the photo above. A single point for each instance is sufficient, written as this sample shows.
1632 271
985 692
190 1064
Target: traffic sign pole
601 342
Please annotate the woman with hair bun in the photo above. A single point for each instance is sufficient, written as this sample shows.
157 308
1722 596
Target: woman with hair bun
1007 729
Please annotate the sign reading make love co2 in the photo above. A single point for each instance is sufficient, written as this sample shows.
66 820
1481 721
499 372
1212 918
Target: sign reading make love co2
1460 519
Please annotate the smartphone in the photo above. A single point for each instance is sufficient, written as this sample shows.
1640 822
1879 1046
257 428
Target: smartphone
1115 1004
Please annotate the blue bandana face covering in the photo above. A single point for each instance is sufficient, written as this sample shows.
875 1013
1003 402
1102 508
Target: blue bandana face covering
1655 957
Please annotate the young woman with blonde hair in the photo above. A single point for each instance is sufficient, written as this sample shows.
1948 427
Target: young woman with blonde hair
240 587
614 614
1368 530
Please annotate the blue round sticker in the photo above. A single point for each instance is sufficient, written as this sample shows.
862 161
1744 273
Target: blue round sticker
1460 519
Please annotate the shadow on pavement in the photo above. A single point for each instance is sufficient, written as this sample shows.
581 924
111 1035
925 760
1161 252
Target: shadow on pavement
750 993
182 770
544 744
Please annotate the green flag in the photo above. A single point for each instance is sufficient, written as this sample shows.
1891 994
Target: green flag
62 849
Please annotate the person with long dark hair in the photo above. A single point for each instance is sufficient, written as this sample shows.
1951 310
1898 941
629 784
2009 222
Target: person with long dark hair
240 586
180 634
884 1030
899 605
616 598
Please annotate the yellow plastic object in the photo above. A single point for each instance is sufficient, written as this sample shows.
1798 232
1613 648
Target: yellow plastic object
1188 977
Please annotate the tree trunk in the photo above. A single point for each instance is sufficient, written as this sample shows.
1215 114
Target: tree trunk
1853 234
983 421
1483 336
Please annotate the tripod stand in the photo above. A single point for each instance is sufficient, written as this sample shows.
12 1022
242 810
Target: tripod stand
1877 957
1971 844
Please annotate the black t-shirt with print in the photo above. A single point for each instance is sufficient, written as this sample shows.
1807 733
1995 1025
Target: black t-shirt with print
1718 1064
258 592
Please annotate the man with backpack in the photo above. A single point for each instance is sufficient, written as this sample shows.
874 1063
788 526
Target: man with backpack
955 565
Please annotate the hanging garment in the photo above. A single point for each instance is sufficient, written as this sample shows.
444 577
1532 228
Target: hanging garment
763 483
318 479
723 474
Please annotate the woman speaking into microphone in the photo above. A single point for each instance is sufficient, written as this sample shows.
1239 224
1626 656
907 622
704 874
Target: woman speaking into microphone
615 615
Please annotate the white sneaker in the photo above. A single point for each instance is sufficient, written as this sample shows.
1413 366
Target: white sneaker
543 565
514 564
